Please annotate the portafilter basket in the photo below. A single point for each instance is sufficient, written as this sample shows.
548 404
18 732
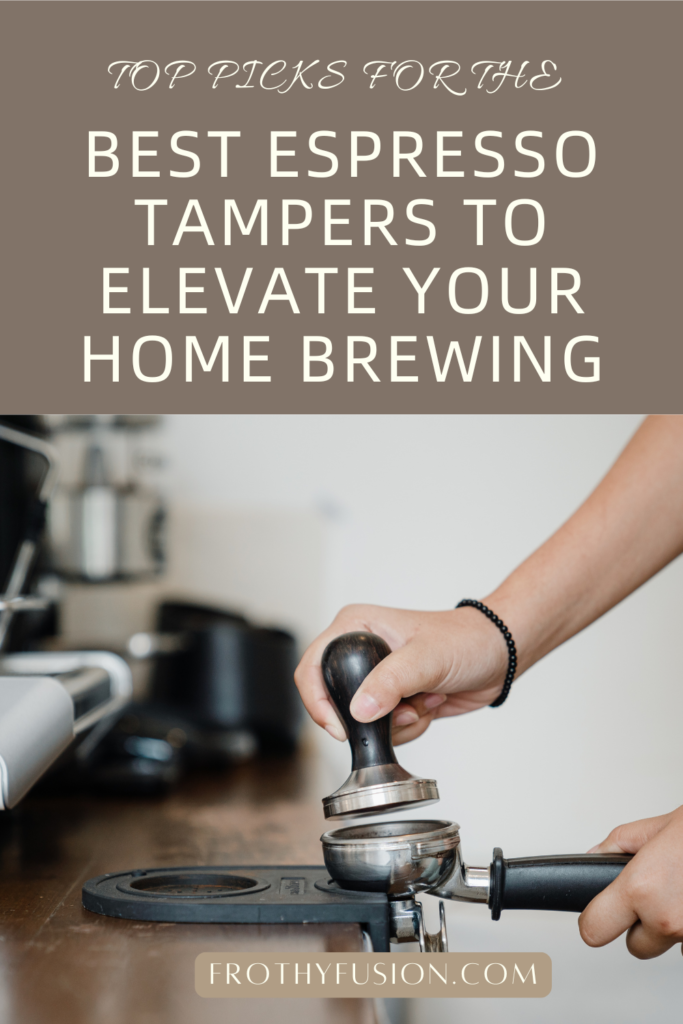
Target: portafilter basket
399 858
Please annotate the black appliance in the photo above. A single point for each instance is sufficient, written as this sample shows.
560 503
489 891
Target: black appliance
226 674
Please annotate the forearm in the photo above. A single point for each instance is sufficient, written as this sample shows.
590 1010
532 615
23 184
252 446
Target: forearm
629 528
451 662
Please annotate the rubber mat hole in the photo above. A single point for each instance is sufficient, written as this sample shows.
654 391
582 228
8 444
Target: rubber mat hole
192 885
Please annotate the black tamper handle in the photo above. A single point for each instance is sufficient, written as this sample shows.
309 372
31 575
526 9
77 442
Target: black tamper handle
566 882
346 661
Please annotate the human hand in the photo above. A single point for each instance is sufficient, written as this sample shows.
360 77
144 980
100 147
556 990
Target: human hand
646 900
442 663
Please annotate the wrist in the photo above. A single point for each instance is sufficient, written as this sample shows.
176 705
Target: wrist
523 625
495 620
481 650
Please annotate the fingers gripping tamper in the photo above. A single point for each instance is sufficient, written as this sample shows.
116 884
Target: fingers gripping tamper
377 782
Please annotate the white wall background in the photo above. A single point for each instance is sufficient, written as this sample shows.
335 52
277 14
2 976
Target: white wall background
292 517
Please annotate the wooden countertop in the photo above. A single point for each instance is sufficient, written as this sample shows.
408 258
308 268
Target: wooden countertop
63 965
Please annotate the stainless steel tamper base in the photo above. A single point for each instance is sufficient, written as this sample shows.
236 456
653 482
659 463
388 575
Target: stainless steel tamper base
378 790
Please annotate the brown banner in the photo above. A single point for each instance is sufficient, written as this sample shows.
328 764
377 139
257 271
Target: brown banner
374 975
332 207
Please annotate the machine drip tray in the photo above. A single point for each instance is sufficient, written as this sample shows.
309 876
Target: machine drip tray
273 894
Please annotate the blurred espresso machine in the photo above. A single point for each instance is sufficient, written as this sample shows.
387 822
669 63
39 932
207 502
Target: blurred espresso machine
82 520
107 521
50 701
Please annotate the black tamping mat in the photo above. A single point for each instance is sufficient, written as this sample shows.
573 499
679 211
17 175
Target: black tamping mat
274 894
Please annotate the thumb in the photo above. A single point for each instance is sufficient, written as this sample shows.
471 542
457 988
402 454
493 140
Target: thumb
630 837
411 669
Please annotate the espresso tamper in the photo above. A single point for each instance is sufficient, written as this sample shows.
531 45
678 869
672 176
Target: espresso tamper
377 783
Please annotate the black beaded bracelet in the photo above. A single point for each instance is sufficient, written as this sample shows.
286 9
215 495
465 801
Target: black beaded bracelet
512 650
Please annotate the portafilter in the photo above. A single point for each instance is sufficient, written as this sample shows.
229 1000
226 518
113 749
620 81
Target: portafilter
405 858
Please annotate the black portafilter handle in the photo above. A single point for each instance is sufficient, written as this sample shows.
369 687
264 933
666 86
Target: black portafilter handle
566 882
346 661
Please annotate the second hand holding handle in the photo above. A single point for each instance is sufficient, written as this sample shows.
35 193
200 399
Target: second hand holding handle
377 783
